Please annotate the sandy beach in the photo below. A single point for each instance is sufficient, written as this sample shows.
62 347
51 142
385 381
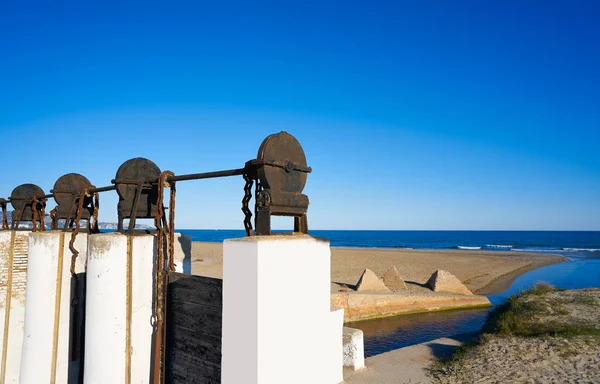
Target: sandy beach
484 272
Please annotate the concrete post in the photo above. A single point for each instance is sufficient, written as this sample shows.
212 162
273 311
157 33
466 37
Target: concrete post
119 309
183 253
53 328
13 281
278 326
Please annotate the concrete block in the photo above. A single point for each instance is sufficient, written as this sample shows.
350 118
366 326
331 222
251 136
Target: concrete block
271 286
354 348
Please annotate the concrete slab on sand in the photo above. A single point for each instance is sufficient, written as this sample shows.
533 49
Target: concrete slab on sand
404 365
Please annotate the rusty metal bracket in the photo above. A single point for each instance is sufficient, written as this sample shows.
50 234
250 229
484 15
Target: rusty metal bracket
3 204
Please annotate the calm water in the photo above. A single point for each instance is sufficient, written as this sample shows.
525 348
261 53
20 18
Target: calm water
582 271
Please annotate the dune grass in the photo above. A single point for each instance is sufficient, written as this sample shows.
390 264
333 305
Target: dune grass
535 312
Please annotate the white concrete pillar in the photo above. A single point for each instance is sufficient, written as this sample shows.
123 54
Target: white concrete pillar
119 309
183 253
13 281
278 326
52 326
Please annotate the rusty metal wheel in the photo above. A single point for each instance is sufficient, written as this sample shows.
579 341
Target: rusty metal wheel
285 167
65 190
20 199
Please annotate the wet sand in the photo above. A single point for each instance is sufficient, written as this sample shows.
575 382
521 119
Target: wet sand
484 272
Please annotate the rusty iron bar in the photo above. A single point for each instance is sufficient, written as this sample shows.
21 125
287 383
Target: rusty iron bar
103 189
208 175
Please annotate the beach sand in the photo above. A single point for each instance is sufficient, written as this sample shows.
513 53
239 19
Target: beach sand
484 272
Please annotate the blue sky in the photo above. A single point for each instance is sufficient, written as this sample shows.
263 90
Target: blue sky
413 114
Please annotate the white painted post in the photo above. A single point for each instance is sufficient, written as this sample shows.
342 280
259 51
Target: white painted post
13 281
50 328
119 309
278 326
183 253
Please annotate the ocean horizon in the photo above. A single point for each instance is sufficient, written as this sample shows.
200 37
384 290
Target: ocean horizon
565 242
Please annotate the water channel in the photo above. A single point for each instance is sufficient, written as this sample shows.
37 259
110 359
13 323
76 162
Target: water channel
382 335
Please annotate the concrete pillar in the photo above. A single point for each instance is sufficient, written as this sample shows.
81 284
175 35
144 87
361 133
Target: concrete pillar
52 350
13 281
278 326
119 309
183 253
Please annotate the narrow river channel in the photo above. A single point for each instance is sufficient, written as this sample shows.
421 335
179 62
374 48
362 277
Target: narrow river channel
382 335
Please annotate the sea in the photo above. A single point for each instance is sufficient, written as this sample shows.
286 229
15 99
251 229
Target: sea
582 270
539 241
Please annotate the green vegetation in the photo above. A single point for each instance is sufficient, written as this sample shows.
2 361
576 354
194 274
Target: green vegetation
521 315
540 288
541 311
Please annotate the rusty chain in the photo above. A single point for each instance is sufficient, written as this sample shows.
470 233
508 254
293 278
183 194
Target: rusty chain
171 245
34 202
245 202
38 216
52 216
80 201
160 223
43 214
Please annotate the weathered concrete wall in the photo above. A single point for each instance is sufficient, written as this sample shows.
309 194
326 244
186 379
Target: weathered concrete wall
52 325
119 308
278 326
13 283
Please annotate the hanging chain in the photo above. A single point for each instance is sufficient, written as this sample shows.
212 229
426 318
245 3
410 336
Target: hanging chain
38 216
159 303
34 203
171 245
52 216
245 202
80 202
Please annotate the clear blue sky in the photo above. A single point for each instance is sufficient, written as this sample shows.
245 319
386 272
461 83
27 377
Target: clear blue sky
413 114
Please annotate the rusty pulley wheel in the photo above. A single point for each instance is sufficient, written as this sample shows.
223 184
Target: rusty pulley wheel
134 172
21 200
284 163
136 184
65 191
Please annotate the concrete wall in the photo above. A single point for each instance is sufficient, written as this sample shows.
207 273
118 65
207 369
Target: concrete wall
13 280
119 309
278 326
51 323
